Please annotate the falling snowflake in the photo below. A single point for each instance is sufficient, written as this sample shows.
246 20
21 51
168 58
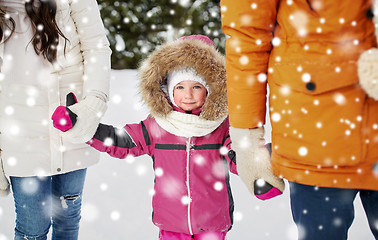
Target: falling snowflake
130 158
285 90
276 41
306 77
339 99
29 185
376 224
89 212
260 182
103 186
238 216
199 160
292 231
108 142
223 150
337 222
244 60
11 161
276 117
9 110
115 215
14 130
303 151
218 169
159 172
262 77
3 237
185 200
170 186
218 186
299 21
141 170
120 43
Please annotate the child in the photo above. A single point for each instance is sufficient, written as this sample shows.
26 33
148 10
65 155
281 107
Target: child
49 48
184 85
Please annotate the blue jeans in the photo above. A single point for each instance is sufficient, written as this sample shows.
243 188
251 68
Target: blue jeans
327 213
44 201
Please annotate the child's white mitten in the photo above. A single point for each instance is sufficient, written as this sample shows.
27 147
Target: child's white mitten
367 65
89 112
4 183
253 163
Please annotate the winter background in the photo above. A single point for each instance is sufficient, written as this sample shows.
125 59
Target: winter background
118 193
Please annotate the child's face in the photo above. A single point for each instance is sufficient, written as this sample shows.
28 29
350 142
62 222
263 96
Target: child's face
189 95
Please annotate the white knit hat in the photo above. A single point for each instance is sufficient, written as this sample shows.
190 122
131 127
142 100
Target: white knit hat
177 76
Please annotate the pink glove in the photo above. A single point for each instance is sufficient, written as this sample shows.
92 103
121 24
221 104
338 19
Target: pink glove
85 115
63 118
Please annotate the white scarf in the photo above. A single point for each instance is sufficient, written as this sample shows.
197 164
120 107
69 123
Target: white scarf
187 125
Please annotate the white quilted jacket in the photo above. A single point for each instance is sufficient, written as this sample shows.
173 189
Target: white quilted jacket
30 145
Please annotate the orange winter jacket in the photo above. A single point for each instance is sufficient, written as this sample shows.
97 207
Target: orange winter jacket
324 126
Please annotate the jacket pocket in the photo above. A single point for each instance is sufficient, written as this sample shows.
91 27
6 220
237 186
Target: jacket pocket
314 78
323 130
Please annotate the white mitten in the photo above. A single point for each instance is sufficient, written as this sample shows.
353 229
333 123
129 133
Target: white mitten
4 183
368 72
253 163
367 65
89 112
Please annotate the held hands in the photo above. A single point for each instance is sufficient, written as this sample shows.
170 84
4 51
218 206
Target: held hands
84 115
253 163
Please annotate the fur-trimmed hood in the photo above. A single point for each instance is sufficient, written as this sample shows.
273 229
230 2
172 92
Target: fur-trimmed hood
182 53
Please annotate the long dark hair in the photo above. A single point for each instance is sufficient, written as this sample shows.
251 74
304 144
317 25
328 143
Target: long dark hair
46 31
6 21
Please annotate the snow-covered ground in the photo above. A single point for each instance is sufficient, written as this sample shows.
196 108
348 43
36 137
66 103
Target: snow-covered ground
117 194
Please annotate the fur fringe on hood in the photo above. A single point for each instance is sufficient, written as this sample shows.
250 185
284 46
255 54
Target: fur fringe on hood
205 59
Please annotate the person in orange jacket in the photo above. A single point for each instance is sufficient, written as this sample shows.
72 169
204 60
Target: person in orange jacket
324 123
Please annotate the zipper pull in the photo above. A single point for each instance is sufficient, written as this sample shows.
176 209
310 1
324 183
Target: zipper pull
188 145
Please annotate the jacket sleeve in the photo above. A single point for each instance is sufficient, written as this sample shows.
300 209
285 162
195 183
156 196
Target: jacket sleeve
94 47
120 143
249 25
230 155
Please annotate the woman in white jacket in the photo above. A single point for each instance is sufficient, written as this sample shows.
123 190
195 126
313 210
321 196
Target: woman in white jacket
49 48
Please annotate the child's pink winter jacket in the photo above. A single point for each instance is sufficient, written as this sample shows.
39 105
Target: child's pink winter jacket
191 153
192 190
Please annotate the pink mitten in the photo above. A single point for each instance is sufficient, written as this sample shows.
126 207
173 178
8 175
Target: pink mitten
85 115
63 118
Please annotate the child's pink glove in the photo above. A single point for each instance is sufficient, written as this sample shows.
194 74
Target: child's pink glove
85 115
253 163
63 118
